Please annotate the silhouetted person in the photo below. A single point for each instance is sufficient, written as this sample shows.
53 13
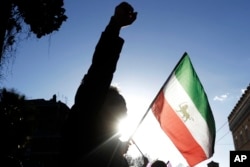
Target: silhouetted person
158 163
90 136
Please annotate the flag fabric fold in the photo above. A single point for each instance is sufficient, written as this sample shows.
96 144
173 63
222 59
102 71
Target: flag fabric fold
184 114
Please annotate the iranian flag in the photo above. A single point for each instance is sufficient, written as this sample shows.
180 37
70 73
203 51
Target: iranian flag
183 111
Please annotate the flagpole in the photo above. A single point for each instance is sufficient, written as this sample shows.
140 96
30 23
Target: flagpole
185 54
138 148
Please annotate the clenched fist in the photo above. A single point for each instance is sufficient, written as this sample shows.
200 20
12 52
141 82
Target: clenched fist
124 14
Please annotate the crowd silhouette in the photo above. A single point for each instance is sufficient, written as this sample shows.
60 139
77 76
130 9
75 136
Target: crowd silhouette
89 135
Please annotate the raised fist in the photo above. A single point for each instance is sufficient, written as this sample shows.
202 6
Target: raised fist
124 14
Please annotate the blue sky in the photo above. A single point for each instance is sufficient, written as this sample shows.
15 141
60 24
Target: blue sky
216 35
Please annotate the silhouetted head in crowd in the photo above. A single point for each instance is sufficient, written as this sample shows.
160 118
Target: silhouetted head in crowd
158 163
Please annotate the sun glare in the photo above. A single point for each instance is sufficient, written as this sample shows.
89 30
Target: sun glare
126 128
136 109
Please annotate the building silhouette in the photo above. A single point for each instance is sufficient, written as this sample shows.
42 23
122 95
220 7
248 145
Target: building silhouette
239 122
44 143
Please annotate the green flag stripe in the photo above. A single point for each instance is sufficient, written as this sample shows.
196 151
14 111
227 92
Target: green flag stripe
188 78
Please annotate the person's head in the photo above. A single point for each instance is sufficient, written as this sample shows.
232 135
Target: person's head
114 108
158 163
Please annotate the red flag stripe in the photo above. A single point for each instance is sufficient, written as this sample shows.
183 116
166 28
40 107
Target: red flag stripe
174 127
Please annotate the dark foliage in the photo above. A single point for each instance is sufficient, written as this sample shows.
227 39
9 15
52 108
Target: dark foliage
42 17
14 127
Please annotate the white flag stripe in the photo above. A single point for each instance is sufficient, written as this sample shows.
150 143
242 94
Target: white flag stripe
176 97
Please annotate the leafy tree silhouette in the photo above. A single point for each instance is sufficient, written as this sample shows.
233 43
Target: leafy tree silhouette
42 16
14 127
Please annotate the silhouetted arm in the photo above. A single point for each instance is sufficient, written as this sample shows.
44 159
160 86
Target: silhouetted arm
100 74
80 129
